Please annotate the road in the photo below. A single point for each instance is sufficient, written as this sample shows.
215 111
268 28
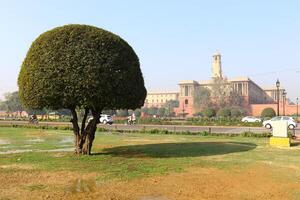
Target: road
174 128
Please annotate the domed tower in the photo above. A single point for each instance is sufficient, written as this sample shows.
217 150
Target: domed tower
216 66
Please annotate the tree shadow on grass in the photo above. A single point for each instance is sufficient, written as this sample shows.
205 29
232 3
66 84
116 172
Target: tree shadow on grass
295 143
188 149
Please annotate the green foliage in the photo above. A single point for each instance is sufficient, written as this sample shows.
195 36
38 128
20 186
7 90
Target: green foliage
11 103
161 111
235 112
81 66
224 112
137 112
209 112
109 112
268 112
152 111
202 98
122 113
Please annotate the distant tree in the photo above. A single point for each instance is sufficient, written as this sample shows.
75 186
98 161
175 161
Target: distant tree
145 110
109 112
64 112
268 112
236 112
209 112
224 112
80 66
122 113
223 95
161 111
220 92
3 106
137 112
152 111
234 99
12 103
202 98
169 107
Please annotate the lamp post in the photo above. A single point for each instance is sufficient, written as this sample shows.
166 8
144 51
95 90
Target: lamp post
183 110
283 101
297 105
277 85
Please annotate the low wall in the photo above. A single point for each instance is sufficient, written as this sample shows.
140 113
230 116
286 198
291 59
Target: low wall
256 109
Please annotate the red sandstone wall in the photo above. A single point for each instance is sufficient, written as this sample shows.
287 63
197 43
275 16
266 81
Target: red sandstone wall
256 109
188 108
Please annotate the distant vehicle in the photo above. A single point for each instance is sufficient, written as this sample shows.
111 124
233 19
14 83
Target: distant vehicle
291 122
251 119
104 119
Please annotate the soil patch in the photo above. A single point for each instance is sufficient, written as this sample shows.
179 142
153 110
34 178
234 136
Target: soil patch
255 182
4 142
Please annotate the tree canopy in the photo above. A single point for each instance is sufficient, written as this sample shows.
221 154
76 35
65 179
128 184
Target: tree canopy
11 103
81 66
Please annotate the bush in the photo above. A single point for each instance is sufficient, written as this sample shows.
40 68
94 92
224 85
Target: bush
235 112
209 112
268 112
224 112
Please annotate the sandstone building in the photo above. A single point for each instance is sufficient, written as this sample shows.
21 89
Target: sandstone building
255 97
251 92
158 99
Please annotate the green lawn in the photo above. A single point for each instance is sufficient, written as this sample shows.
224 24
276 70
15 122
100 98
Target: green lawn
133 156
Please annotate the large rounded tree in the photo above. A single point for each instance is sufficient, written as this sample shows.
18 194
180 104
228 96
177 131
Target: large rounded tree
81 66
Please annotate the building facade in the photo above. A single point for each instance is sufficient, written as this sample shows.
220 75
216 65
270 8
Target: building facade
158 99
243 86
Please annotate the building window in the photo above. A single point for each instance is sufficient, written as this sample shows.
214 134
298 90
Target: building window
186 102
186 91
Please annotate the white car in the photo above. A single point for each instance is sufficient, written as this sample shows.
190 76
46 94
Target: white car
291 122
251 119
104 119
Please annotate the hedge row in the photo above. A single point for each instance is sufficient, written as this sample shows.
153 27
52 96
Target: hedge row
145 131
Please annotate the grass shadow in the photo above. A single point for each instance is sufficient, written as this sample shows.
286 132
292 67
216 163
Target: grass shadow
295 143
187 149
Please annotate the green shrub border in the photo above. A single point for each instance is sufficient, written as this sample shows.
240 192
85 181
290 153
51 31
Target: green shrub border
145 131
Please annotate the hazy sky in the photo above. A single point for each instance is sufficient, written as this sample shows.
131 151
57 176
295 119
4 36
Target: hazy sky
174 40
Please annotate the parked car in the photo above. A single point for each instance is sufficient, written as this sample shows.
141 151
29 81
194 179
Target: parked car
291 122
251 119
104 119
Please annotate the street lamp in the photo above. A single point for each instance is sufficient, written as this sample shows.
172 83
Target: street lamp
283 101
297 105
277 85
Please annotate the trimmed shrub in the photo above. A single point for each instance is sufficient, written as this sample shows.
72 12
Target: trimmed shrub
268 112
209 112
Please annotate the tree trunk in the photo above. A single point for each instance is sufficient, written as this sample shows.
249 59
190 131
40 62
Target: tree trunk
76 130
84 137
90 133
